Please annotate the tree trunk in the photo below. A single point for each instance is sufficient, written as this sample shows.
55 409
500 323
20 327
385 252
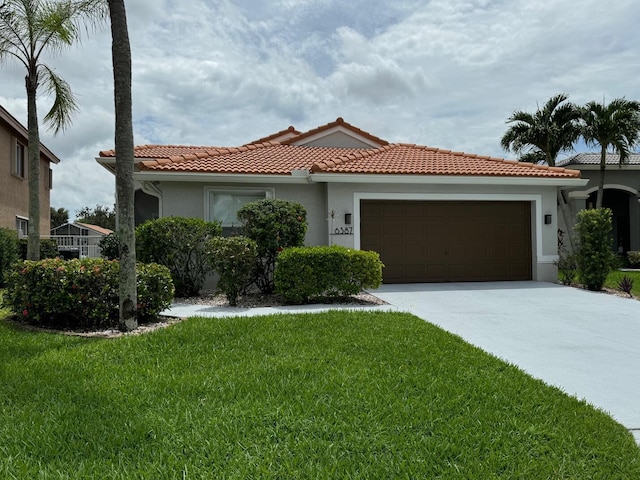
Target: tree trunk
33 170
569 218
121 53
603 166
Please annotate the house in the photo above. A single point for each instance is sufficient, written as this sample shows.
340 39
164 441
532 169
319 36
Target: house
14 173
79 240
621 193
433 215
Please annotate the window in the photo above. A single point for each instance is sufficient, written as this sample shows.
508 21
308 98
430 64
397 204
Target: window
22 226
223 205
50 183
20 159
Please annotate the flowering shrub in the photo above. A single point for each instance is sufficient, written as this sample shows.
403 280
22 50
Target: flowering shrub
303 273
273 224
82 294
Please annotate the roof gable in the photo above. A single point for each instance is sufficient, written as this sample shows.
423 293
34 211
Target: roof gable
337 134
20 130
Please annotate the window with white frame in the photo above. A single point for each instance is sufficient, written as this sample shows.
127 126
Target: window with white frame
222 205
22 226
20 160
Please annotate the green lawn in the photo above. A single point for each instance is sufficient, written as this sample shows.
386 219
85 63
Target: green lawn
614 278
337 395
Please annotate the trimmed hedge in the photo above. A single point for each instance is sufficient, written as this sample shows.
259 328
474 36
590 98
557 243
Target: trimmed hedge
82 294
303 273
595 256
180 244
634 258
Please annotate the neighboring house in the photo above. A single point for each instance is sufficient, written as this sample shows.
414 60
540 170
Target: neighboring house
79 240
433 215
14 174
621 193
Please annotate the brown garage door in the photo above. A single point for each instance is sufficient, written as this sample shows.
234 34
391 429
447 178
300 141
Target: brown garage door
430 241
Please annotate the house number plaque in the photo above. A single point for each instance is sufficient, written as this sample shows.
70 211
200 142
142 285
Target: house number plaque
343 231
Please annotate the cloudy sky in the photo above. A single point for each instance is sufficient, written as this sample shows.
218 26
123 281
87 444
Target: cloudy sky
443 73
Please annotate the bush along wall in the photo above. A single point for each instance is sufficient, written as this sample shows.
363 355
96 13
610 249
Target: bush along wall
179 244
595 255
305 273
8 251
81 294
233 258
273 224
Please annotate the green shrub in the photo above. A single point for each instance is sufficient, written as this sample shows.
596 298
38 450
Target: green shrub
179 244
303 273
48 248
273 224
234 259
595 256
110 247
8 251
634 258
81 294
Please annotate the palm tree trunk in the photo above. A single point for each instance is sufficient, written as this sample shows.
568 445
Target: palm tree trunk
603 166
33 172
121 52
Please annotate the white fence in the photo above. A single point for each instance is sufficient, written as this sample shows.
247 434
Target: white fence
79 246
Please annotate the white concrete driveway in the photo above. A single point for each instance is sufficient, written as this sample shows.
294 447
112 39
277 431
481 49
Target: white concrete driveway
586 343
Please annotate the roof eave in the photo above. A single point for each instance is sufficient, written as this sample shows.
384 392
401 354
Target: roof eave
448 179
199 177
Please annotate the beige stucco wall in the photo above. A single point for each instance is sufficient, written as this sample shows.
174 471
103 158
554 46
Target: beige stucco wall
14 191
188 199
320 199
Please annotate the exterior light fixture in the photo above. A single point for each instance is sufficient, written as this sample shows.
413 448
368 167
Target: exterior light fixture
547 219
347 219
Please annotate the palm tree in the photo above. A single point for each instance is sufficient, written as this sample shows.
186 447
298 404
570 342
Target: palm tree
121 56
616 125
28 29
545 134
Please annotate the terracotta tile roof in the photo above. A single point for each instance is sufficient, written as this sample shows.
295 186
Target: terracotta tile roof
273 158
269 158
339 122
96 228
160 151
408 159
288 132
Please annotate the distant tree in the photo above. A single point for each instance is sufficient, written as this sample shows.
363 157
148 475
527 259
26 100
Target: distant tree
30 29
544 134
121 60
100 216
59 216
616 125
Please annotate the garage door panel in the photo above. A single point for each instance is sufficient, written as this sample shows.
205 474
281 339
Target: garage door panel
431 241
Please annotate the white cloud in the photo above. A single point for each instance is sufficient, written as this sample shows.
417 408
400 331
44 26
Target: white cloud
437 72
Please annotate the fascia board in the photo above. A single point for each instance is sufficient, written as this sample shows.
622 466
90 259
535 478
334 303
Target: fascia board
448 180
197 177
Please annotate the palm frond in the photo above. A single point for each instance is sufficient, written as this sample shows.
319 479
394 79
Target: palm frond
64 101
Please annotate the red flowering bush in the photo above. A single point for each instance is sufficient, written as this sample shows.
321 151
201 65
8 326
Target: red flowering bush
82 294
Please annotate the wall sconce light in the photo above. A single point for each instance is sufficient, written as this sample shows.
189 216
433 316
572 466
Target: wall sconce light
547 219
347 219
